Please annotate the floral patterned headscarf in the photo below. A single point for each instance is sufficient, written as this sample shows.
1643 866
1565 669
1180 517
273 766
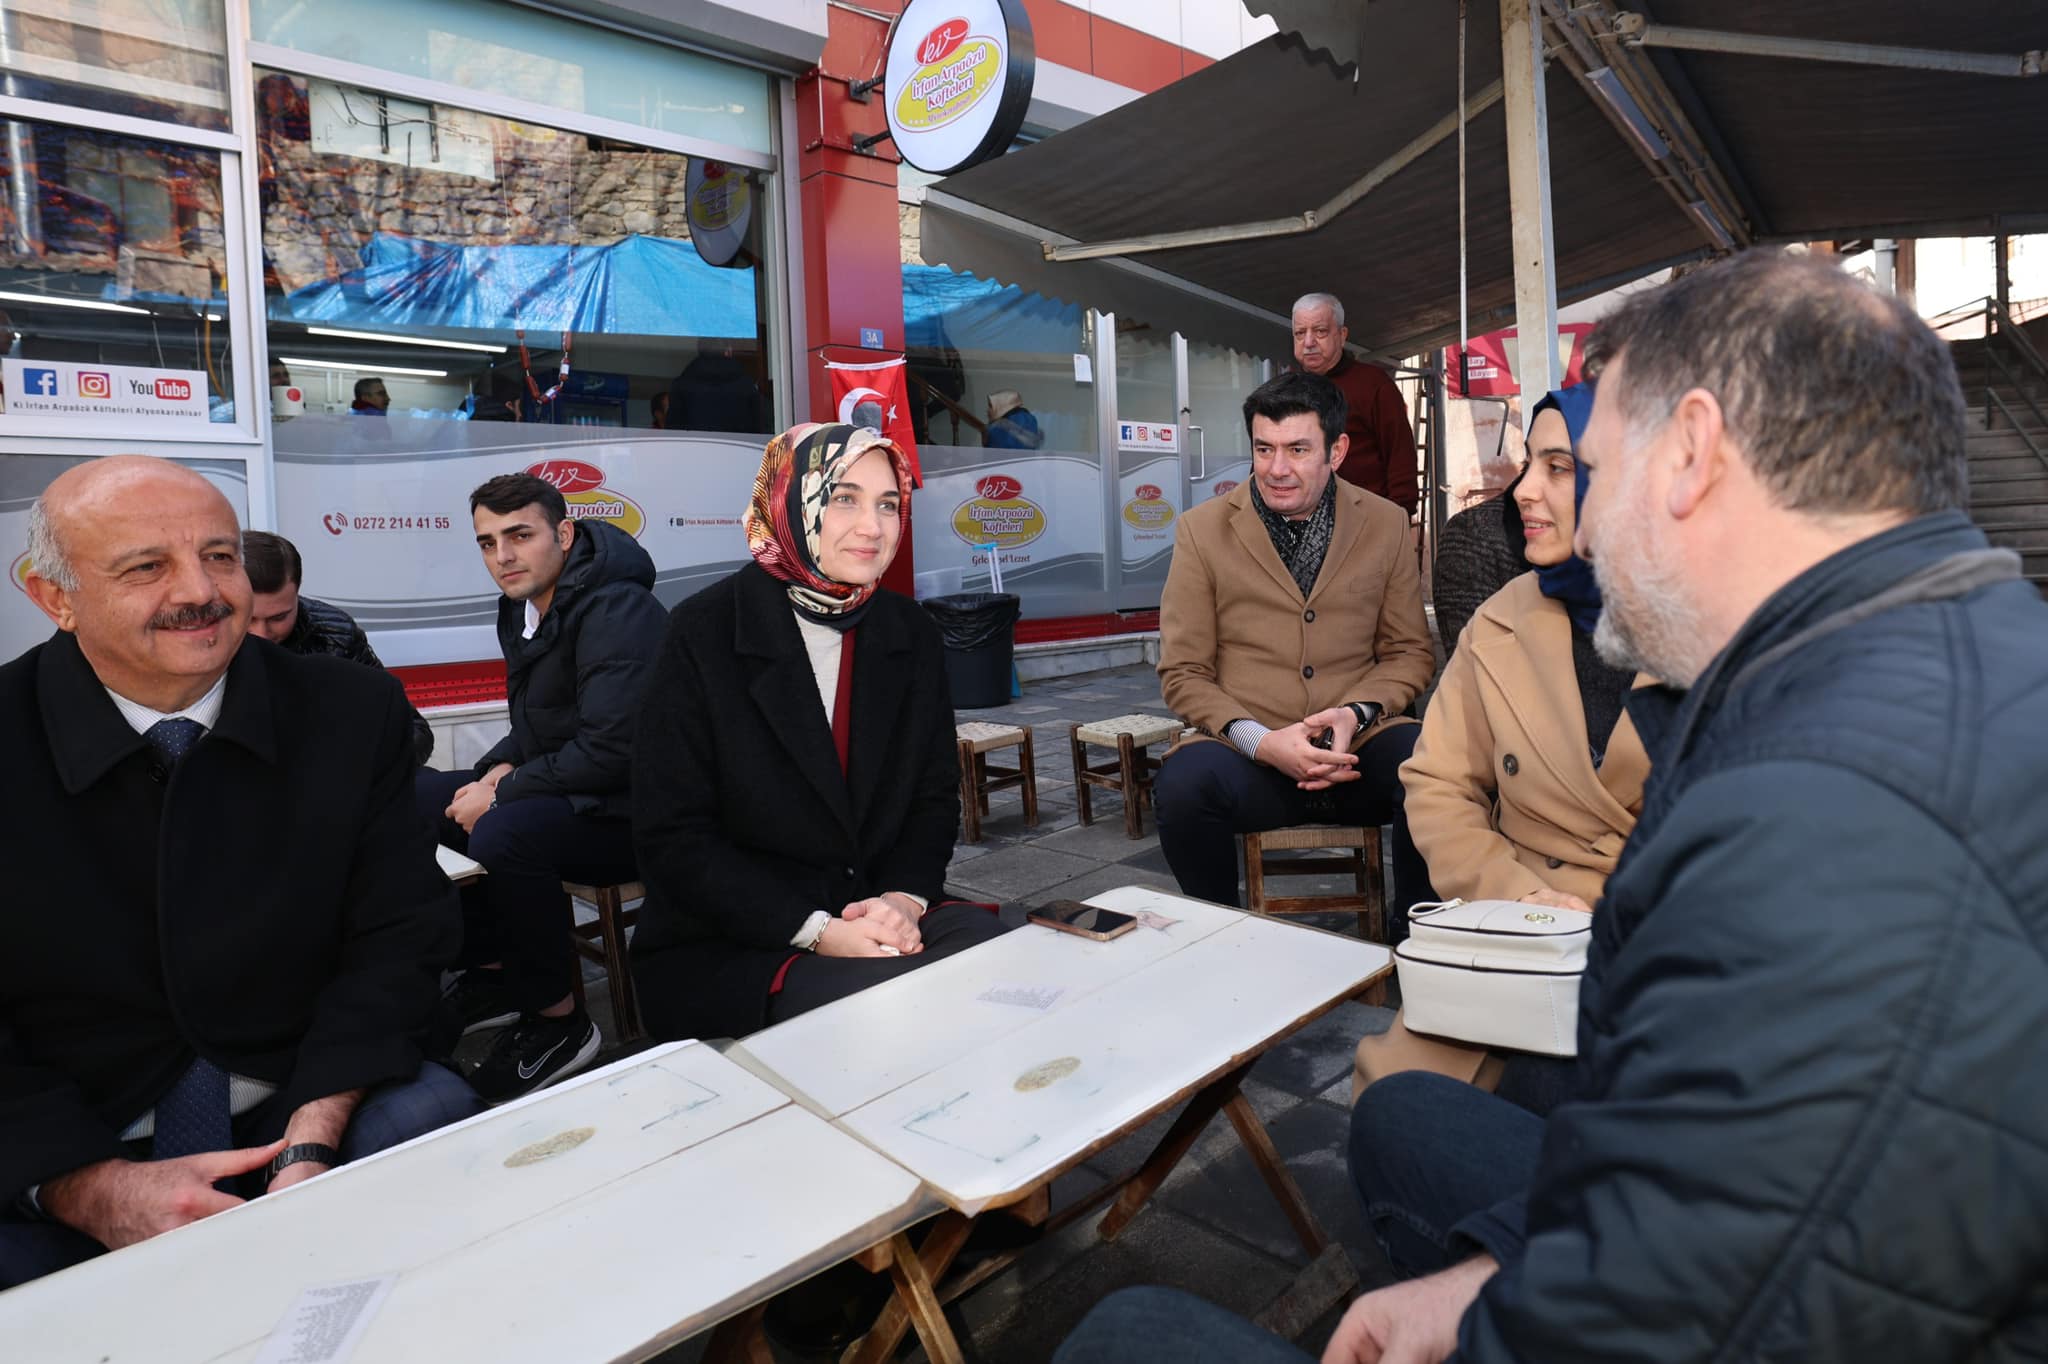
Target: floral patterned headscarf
785 519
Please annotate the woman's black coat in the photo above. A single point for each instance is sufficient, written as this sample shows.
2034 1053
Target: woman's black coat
742 821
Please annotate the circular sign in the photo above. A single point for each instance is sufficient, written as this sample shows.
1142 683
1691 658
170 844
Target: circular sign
721 208
958 81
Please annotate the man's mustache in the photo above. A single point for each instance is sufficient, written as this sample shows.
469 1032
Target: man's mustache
192 617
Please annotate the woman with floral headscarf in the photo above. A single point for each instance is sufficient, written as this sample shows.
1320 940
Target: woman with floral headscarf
795 788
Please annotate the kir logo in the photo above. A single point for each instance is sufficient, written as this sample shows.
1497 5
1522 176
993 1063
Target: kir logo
41 382
568 475
940 42
1149 492
95 384
999 487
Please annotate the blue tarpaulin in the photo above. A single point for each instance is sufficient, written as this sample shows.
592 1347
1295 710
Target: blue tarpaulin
944 310
646 286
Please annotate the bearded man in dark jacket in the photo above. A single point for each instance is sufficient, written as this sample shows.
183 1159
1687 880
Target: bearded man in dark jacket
579 627
1811 1112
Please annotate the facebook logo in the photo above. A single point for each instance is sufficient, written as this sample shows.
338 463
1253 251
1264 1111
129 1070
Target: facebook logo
42 382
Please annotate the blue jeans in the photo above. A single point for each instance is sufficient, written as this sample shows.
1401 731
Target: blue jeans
389 1114
1166 1324
1426 1153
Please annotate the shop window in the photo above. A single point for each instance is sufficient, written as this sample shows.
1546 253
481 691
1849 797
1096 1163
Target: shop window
155 59
1004 402
113 281
433 263
524 54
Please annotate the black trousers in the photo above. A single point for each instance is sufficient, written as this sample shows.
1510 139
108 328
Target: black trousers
812 980
518 914
1208 793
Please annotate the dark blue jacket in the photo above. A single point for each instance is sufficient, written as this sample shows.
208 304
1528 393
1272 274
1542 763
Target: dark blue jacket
1814 1029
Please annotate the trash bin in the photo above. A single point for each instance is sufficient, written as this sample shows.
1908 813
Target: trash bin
980 632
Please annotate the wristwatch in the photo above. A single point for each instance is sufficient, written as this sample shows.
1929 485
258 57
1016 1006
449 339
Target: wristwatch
318 1152
1366 711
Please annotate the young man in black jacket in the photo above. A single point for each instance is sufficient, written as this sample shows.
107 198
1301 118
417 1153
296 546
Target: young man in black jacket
301 625
579 627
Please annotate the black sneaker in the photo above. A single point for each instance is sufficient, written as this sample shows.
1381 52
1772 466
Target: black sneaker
533 1052
479 999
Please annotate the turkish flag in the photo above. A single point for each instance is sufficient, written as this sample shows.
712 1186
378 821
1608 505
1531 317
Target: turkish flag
877 395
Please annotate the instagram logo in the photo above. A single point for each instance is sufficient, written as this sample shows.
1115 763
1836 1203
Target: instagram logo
92 384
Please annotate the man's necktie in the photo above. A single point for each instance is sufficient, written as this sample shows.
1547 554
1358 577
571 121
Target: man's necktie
192 1117
173 739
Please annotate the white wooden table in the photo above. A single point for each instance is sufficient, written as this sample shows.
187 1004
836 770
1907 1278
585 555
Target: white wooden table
606 1218
989 1101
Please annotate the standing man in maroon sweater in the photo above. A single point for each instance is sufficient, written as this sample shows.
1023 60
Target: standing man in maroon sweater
1382 458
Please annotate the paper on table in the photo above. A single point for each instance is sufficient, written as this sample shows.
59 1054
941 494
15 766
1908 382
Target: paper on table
454 865
324 1324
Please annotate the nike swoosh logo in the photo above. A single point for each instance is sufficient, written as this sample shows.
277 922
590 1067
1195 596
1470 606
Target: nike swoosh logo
526 1073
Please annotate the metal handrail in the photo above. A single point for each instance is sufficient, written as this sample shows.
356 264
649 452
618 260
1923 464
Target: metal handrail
2018 388
1991 398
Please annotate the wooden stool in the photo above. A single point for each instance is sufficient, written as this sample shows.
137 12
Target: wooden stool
603 941
977 738
1131 774
1361 857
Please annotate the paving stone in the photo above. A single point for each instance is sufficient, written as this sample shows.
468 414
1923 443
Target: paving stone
1014 872
1152 859
1227 1192
1100 877
1159 1247
1103 840
1319 1055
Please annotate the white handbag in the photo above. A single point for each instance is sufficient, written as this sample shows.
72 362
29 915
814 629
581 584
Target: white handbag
1497 973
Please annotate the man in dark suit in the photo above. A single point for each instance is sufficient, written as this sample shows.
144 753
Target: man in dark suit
224 924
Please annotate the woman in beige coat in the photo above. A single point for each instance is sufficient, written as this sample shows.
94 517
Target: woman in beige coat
1528 776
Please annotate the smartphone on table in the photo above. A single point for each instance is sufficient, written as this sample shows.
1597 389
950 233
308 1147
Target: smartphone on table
1087 921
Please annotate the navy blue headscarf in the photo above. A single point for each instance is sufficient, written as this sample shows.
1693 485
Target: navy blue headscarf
1571 582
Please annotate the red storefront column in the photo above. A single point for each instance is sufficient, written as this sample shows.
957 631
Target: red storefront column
853 279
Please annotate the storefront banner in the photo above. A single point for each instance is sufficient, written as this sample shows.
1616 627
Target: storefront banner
721 209
1148 507
379 510
1163 436
89 392
1490 362
1042 512
958 81
22 480
876 395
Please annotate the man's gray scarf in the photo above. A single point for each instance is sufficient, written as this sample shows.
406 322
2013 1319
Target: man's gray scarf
1301 544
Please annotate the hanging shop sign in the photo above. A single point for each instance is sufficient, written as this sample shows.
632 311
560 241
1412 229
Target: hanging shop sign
721 209
958 81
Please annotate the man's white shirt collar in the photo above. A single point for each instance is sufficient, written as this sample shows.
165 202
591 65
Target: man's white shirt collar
206 710
532 620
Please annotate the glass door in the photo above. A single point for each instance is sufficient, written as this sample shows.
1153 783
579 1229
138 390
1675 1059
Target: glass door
1218 452
1149 444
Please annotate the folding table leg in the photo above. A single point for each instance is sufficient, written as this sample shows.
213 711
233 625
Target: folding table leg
914 1302
1207 1103
1258 1143
1028 763
738 1340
